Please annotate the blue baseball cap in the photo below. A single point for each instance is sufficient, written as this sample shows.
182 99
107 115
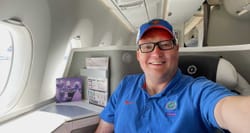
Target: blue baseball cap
154 23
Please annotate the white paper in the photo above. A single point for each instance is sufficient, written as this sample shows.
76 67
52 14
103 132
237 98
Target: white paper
97 83
97 63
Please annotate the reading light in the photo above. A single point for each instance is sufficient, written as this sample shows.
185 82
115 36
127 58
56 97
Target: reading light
244 11
131 5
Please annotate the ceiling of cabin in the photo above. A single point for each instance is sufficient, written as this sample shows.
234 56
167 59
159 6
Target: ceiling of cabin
136 12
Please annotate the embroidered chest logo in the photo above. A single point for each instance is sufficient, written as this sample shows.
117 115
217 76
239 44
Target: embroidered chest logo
171 105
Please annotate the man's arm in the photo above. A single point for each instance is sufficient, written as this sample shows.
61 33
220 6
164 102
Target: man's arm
104 127
233 113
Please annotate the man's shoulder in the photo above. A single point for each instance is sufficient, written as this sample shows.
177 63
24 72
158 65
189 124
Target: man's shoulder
191 79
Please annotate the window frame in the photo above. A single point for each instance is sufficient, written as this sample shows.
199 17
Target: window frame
21 65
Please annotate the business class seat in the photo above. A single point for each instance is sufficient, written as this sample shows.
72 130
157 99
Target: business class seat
214 68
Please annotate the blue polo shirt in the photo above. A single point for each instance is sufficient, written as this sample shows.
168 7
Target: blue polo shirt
186 105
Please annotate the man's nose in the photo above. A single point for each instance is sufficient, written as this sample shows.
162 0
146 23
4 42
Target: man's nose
157 49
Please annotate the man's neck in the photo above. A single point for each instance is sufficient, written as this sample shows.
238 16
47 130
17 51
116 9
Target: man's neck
155 87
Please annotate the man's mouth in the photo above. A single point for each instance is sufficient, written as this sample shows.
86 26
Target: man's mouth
157 62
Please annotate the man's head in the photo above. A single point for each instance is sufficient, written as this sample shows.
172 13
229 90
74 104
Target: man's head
153 24
157 49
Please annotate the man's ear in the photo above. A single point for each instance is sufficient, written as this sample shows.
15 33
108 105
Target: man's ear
177 46
137 55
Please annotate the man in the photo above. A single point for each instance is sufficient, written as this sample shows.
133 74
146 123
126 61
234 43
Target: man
164 100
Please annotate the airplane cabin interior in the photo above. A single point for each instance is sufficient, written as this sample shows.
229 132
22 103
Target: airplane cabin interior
94 40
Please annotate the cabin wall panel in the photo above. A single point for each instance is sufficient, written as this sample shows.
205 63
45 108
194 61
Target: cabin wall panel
107 28
90 19
225 29
63 20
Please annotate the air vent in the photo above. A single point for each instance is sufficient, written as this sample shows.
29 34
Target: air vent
131 4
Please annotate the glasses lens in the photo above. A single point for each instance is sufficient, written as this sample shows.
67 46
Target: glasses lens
165 45
146 47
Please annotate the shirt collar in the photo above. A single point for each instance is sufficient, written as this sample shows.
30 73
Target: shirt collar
168 88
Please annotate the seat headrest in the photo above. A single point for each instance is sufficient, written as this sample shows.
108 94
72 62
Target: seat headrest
227 74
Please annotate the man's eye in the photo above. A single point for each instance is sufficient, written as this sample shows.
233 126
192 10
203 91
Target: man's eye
148 47
165 45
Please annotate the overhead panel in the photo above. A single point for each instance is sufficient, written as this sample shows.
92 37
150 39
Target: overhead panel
155 8
134 11
139 11
178 12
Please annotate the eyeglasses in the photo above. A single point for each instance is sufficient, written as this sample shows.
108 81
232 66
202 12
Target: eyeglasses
162 45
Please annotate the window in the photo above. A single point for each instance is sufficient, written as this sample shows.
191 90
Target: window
6 51
15 60
75 42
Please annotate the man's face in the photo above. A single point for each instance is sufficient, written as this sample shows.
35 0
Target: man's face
158 63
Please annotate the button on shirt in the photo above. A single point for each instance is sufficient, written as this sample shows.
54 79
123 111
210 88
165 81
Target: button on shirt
186 105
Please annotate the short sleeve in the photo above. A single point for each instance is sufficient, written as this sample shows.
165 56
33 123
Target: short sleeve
206 95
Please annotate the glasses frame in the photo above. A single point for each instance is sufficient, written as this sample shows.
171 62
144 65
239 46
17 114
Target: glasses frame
158 44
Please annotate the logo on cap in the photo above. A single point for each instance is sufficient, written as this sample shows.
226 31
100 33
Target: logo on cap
155 22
